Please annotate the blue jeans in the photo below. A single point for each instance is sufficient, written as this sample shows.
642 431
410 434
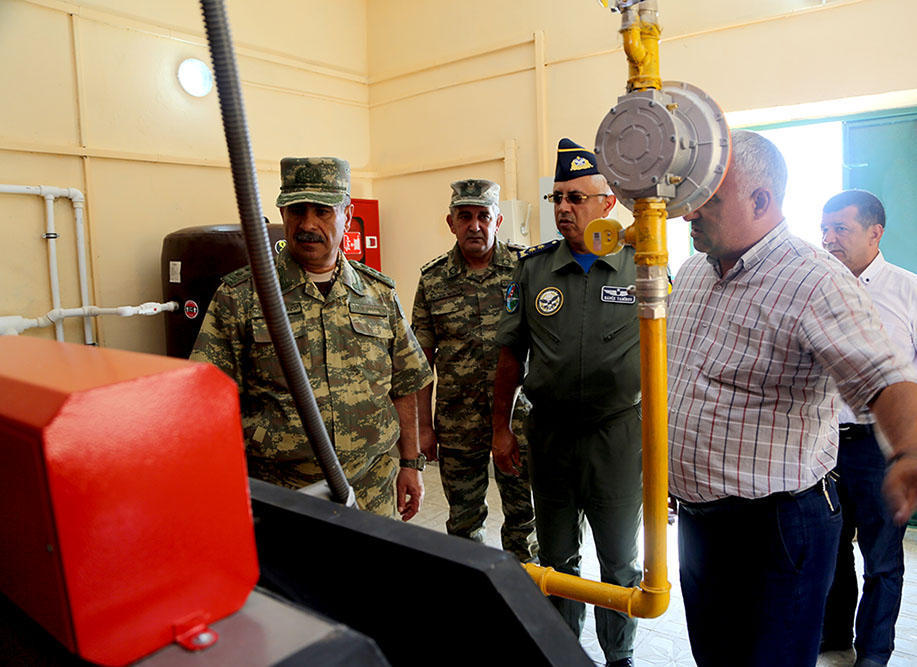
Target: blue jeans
754 576
861 468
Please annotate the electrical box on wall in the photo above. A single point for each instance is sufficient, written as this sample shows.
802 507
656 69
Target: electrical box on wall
515 226
361 241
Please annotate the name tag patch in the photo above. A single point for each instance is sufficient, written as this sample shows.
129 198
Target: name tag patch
613 294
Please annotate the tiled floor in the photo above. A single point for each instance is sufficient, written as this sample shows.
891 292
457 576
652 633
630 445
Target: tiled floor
664 640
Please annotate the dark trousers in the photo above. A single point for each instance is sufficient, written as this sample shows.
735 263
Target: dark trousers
861 471
593 475
754 576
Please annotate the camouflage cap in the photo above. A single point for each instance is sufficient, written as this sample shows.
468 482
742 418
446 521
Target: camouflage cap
475 192
316 180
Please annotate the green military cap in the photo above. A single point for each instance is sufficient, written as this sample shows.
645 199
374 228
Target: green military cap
475 192
316 180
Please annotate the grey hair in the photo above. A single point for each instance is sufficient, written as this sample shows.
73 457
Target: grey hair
758 162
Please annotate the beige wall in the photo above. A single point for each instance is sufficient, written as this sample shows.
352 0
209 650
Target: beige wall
464 82
91 101
415 93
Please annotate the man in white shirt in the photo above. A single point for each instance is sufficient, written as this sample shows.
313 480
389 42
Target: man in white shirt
852 225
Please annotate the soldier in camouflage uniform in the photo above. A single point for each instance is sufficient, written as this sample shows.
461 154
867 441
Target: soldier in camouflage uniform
456 310
363 362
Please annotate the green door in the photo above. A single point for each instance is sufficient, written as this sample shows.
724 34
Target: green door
879 156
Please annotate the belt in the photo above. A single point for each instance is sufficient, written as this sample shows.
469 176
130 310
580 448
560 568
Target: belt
855 431
821 486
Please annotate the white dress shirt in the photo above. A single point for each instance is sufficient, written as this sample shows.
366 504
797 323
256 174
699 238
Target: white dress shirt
894 291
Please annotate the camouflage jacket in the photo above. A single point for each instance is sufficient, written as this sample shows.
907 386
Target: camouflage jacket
456 311
358 352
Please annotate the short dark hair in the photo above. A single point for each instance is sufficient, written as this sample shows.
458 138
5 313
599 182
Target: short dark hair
869 209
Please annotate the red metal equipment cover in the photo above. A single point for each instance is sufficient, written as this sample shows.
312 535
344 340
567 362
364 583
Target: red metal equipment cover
125 516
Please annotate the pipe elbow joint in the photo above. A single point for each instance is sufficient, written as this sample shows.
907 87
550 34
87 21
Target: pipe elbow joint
647 602
633 44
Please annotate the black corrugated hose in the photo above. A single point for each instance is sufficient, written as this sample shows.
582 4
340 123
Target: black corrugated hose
259 250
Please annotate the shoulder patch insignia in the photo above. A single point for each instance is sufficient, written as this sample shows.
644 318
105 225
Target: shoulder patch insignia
511 297
238 276
372 273
433 262
538 249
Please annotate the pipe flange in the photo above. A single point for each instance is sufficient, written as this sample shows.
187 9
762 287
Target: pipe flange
671 143
636 144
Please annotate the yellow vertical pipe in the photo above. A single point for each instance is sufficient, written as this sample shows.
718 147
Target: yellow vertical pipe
648 236
651 258
641 44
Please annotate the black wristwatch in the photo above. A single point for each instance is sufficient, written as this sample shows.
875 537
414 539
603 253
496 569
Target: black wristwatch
417 464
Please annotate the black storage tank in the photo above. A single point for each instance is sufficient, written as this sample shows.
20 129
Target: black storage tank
193 261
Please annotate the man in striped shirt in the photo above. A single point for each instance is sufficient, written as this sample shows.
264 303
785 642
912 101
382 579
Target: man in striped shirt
764 331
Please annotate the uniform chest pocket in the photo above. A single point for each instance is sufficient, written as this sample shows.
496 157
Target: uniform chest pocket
622 331
446 304
371 320
264 356
370 348
453 314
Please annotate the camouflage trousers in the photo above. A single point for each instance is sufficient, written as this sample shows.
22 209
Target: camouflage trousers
465 477
374 489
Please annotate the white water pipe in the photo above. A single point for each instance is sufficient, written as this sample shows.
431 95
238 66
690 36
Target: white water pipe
51 238
14 324
76 197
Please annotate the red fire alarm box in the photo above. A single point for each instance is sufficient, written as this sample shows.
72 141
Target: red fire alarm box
125 514
361 242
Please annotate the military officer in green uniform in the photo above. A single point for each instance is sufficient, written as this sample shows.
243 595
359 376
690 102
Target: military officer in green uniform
571 317
363 362
456 309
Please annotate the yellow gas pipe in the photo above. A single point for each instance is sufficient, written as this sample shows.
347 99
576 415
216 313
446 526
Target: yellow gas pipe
640 33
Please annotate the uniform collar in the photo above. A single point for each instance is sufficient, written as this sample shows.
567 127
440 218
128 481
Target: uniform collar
563 256
455 261
290 275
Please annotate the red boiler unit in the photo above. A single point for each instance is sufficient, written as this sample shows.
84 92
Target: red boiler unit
125 516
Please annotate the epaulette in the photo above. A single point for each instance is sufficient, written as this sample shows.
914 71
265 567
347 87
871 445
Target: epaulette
433 262
516 247
538 249
238 276
378 275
